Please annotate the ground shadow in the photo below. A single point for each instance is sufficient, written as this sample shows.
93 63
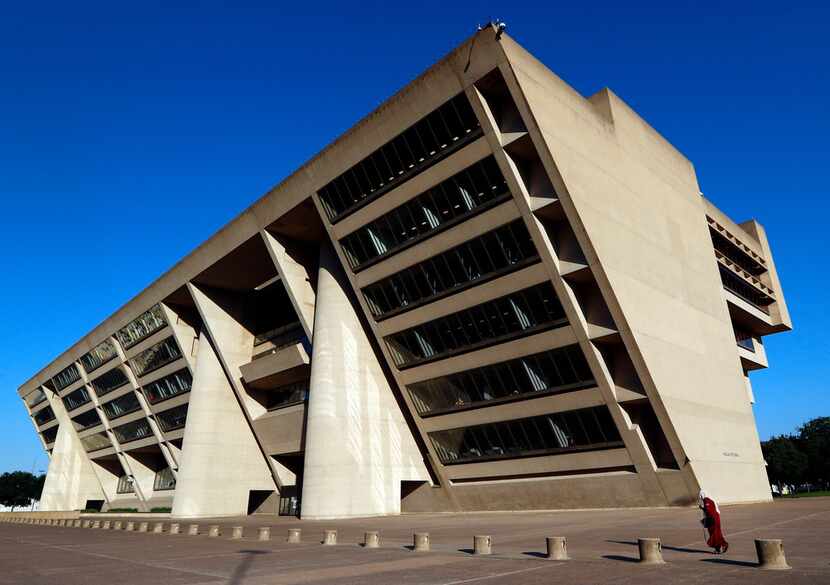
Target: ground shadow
535 553
468 551
731 562
621 558
665 547
238 574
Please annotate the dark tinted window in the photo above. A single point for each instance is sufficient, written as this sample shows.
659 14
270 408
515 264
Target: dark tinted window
490 254
557 370
519 313
419 146
589 428
448 202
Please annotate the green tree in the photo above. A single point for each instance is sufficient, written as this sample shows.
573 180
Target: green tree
19 488
814 436
786 463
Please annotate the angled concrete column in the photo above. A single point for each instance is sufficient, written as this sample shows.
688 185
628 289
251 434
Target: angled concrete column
220 459
70 479
358 446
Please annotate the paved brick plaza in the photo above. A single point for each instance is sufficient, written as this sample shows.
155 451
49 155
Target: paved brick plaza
601 544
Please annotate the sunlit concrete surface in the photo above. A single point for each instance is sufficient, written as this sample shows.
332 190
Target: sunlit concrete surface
602 546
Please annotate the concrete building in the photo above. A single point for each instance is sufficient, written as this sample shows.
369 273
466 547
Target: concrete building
490 294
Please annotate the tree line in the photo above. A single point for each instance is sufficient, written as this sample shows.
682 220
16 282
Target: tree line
800 461
20 488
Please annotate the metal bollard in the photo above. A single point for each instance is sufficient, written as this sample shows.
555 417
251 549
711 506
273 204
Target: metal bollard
237 533
294 535
130 526
482 545
193 530
330 537
771 554
264 533
213 531
650 551
371 539
117 525
420 541
158 527
175 528
143 526
557 548
106 525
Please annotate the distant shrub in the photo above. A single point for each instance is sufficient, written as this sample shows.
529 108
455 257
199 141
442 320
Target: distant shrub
161 510
89 511
123 510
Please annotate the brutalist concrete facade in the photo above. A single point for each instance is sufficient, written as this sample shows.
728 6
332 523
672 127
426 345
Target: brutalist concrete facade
490 294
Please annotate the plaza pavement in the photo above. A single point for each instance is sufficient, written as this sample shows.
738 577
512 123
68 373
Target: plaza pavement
601 544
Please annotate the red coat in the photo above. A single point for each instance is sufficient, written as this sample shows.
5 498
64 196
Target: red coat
716 539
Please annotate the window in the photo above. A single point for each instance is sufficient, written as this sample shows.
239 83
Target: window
126 485
87 419
49 435
35 398
77 398
141 327
169 386
556 370
156 356
65 377
96 442
122 405
496 252
172 419
585 429
286 395
738 286
424 143
108 382
520 313
744 340
132 431
445 204
165 480
98 355
44 416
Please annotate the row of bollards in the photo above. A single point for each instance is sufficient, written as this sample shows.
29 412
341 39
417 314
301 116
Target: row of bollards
770 552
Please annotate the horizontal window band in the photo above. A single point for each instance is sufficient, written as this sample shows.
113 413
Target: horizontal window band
545 475
514 398
441 228
460 288
538 453
471 136
487 343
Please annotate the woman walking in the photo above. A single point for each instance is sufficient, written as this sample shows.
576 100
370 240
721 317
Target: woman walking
711 521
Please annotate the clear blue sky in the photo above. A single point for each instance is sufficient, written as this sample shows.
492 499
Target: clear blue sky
129 132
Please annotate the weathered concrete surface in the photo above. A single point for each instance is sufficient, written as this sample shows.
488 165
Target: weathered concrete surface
601 544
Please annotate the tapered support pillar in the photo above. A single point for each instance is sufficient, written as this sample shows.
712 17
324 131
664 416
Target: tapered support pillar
358 446
221 461
70 479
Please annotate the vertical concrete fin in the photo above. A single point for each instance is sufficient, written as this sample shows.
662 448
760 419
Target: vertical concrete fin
220 461
70 479
295 278
358 445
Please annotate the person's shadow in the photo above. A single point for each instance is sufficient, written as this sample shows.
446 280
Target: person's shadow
238 574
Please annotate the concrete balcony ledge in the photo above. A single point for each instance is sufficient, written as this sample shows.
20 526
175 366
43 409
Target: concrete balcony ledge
275 369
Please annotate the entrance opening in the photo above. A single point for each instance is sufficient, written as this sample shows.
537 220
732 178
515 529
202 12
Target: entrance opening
262 502
94 505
